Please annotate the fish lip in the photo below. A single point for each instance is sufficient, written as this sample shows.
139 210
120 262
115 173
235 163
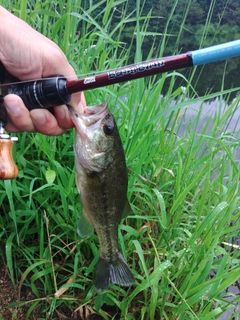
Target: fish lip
90 117
91 111
94 114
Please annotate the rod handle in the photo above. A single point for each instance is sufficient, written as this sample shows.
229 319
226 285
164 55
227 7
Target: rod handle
42 93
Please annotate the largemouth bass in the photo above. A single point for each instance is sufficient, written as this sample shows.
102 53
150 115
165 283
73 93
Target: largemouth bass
101 178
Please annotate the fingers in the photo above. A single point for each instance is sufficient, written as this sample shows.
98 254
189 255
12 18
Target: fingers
18 115
21 119
46 123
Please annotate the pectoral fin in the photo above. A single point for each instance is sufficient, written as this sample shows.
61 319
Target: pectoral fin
85 229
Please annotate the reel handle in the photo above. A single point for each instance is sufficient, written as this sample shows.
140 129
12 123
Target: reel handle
8 168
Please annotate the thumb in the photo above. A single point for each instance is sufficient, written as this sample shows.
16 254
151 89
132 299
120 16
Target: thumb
18 114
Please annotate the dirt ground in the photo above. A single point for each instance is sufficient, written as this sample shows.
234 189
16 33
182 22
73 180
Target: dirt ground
9 295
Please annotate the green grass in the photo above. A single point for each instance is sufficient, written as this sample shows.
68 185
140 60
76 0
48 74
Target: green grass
184 190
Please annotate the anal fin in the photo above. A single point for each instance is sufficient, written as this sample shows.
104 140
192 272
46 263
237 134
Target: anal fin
85 229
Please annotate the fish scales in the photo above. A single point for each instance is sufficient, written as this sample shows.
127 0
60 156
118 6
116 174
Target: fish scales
95 190
102 183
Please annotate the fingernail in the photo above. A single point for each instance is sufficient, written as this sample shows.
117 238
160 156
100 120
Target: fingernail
39 119
12 106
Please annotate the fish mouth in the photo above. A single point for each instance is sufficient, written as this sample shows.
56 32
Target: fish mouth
95 110
91 114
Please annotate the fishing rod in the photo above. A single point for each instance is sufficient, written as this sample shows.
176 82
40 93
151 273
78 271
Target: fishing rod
57 90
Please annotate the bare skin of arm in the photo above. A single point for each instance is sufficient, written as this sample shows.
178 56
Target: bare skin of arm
26 54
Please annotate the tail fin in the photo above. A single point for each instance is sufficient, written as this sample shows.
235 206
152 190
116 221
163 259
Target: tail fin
117 272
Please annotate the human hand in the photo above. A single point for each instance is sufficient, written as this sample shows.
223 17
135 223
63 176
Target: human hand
26 54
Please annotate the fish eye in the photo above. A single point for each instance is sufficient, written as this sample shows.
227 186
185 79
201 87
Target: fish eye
108 129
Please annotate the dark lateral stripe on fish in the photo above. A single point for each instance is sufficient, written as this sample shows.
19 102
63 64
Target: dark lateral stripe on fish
106 221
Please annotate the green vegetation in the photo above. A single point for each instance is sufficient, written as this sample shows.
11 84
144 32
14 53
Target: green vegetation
184 191
221 15
194 24
186 25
